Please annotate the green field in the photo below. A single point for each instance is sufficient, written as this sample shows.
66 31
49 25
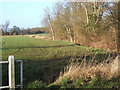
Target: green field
43 59
27 48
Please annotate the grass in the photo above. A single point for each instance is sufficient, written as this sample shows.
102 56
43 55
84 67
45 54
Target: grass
89 75
27 48
36 84
43 59
83 83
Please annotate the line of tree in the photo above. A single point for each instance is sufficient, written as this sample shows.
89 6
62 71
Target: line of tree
15 30
87 23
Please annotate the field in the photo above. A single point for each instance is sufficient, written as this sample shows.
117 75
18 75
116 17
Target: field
26 48
43 59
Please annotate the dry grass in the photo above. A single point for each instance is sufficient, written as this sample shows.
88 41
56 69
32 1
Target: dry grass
106 69
38 37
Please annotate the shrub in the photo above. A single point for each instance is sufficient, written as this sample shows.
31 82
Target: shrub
36 84
64 81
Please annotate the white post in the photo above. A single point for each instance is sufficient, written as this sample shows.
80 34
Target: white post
11 72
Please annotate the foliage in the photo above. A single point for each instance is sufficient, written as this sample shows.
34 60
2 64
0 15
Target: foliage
93 83
36 84
87 23
64 81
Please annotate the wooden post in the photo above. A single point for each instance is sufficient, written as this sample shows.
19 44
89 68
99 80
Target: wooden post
11 72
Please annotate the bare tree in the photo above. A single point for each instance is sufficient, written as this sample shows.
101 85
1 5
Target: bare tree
84 22
5 27
48 21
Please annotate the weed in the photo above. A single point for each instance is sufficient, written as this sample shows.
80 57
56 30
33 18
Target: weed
36 84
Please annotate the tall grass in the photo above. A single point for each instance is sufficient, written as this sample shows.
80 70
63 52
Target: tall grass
106 69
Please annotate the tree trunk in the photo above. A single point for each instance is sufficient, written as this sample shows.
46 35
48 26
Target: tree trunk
51 29
69 33
86 11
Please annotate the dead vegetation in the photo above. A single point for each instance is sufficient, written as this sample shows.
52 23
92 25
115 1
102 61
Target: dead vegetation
107 69
38 37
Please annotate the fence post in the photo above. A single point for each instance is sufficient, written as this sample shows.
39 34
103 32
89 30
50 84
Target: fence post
21 75
11 72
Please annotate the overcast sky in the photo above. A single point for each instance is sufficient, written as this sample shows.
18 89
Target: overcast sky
23 14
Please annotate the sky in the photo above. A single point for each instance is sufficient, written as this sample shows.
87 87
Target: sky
23 14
